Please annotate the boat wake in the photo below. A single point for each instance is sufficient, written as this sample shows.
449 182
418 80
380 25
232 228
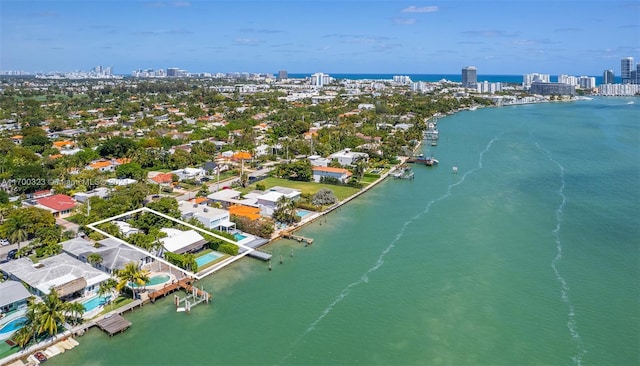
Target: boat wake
564 288
380 261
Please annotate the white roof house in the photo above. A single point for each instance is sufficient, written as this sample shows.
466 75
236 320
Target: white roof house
210 217
189 173
12 296
62 272
178 241
125 228
348 157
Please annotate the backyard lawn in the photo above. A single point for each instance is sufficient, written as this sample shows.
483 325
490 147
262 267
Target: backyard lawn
341 192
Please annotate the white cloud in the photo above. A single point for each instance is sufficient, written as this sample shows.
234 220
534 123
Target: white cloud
424 9
404 21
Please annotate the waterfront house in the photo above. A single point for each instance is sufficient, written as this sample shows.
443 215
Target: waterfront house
317 160
347 157
251 213
69 277
319 172
13 296
210 217
113 253
178 241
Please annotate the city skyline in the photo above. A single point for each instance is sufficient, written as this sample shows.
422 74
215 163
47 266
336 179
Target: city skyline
328 36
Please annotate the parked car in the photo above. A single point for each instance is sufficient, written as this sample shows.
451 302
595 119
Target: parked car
4 242
12 254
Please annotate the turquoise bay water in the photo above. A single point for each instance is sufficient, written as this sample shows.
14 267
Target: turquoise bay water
529 255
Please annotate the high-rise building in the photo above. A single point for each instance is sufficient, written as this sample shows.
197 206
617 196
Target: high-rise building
320 79
608 77
283 74
172 71
469 77
626 67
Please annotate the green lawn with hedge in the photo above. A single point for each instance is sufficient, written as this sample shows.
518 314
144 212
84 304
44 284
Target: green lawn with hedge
341 192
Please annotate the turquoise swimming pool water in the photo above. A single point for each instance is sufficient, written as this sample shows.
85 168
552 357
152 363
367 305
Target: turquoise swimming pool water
207 258
239 236
13 325
302 213
94 302
156 280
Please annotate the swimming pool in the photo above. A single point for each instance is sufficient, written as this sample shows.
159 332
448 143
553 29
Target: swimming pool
13 325
239 236
155 280
207 258
94 302
302 213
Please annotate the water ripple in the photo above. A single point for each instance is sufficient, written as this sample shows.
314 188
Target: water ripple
564 287
365 276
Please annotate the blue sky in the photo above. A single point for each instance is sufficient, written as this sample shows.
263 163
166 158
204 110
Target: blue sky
580 37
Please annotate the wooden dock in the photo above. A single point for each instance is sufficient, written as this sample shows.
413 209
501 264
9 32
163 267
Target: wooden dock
171 287
299 238
113 323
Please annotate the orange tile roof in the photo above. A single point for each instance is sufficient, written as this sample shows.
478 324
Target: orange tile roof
242 155
252 213
100 164
198 200
329 169
59 144
55 156
163 178
123 160
16 137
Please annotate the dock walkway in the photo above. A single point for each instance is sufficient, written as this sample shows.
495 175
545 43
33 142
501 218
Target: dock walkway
113 323
169 288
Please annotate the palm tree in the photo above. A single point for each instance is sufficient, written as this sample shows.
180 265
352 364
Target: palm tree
94 259
131 274
76 311
28 331
15 228
51 313
107 287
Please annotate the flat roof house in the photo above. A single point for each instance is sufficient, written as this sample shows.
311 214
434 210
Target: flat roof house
347 157
210 217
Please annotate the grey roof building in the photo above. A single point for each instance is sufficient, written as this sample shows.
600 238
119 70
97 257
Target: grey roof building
12 296
62 273
115 255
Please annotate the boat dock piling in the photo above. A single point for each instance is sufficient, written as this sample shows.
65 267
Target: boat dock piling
194 297
300 239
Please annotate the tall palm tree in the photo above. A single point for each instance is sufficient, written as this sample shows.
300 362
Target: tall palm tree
106 288
51 313
28 331
76 311
16 227
131 274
